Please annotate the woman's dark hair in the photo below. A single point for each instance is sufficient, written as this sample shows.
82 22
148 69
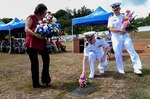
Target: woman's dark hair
40 8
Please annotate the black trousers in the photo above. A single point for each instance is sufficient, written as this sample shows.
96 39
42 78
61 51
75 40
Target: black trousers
33 55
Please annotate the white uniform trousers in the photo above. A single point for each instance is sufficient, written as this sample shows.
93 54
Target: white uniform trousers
92 57
120 41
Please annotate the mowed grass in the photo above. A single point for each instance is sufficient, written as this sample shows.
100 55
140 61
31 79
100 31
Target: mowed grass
65 70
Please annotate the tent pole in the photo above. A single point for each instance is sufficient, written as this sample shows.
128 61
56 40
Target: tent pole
9 42
91 28
72 39
21 34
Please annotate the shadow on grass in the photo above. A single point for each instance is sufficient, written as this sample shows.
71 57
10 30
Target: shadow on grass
66 86
145 71
73 84
138 51
125 57
113 74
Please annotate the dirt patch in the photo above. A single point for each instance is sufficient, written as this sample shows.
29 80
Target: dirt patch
141 48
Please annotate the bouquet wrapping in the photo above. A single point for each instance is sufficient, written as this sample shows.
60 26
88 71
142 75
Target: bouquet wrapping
47 26
127 20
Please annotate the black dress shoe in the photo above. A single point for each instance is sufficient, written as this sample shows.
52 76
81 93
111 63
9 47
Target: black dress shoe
37 86
48 85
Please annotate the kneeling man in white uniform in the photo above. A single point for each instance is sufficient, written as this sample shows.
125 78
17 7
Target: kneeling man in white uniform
95 49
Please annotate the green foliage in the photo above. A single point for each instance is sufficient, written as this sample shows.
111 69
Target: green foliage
61 14
143 21
65 18
147 21
132 28
6 20
2 37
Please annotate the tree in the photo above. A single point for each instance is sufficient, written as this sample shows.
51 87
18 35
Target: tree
6 20
64 17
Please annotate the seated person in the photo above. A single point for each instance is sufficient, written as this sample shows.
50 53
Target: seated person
52 46
16 46
110 42
59 45
24 46
5 46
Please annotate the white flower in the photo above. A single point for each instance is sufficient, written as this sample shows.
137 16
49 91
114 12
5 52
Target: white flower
45 27
44 19
50 25
40 22
49 16
54 19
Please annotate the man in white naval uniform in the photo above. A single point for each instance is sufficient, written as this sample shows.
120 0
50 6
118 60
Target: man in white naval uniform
94 50
120 39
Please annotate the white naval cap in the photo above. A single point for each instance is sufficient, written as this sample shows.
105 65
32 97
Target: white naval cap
115 5
89 34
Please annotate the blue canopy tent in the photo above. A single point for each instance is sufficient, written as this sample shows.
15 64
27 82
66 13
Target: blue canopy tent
2 23
99 16
12 26
15 23
18 24
18 27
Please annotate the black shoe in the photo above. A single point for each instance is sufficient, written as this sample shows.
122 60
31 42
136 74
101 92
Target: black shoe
37 86
47 85
141 75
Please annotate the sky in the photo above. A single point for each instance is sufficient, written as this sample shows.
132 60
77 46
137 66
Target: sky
22 8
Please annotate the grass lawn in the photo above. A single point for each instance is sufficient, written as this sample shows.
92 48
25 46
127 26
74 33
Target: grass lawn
65 69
